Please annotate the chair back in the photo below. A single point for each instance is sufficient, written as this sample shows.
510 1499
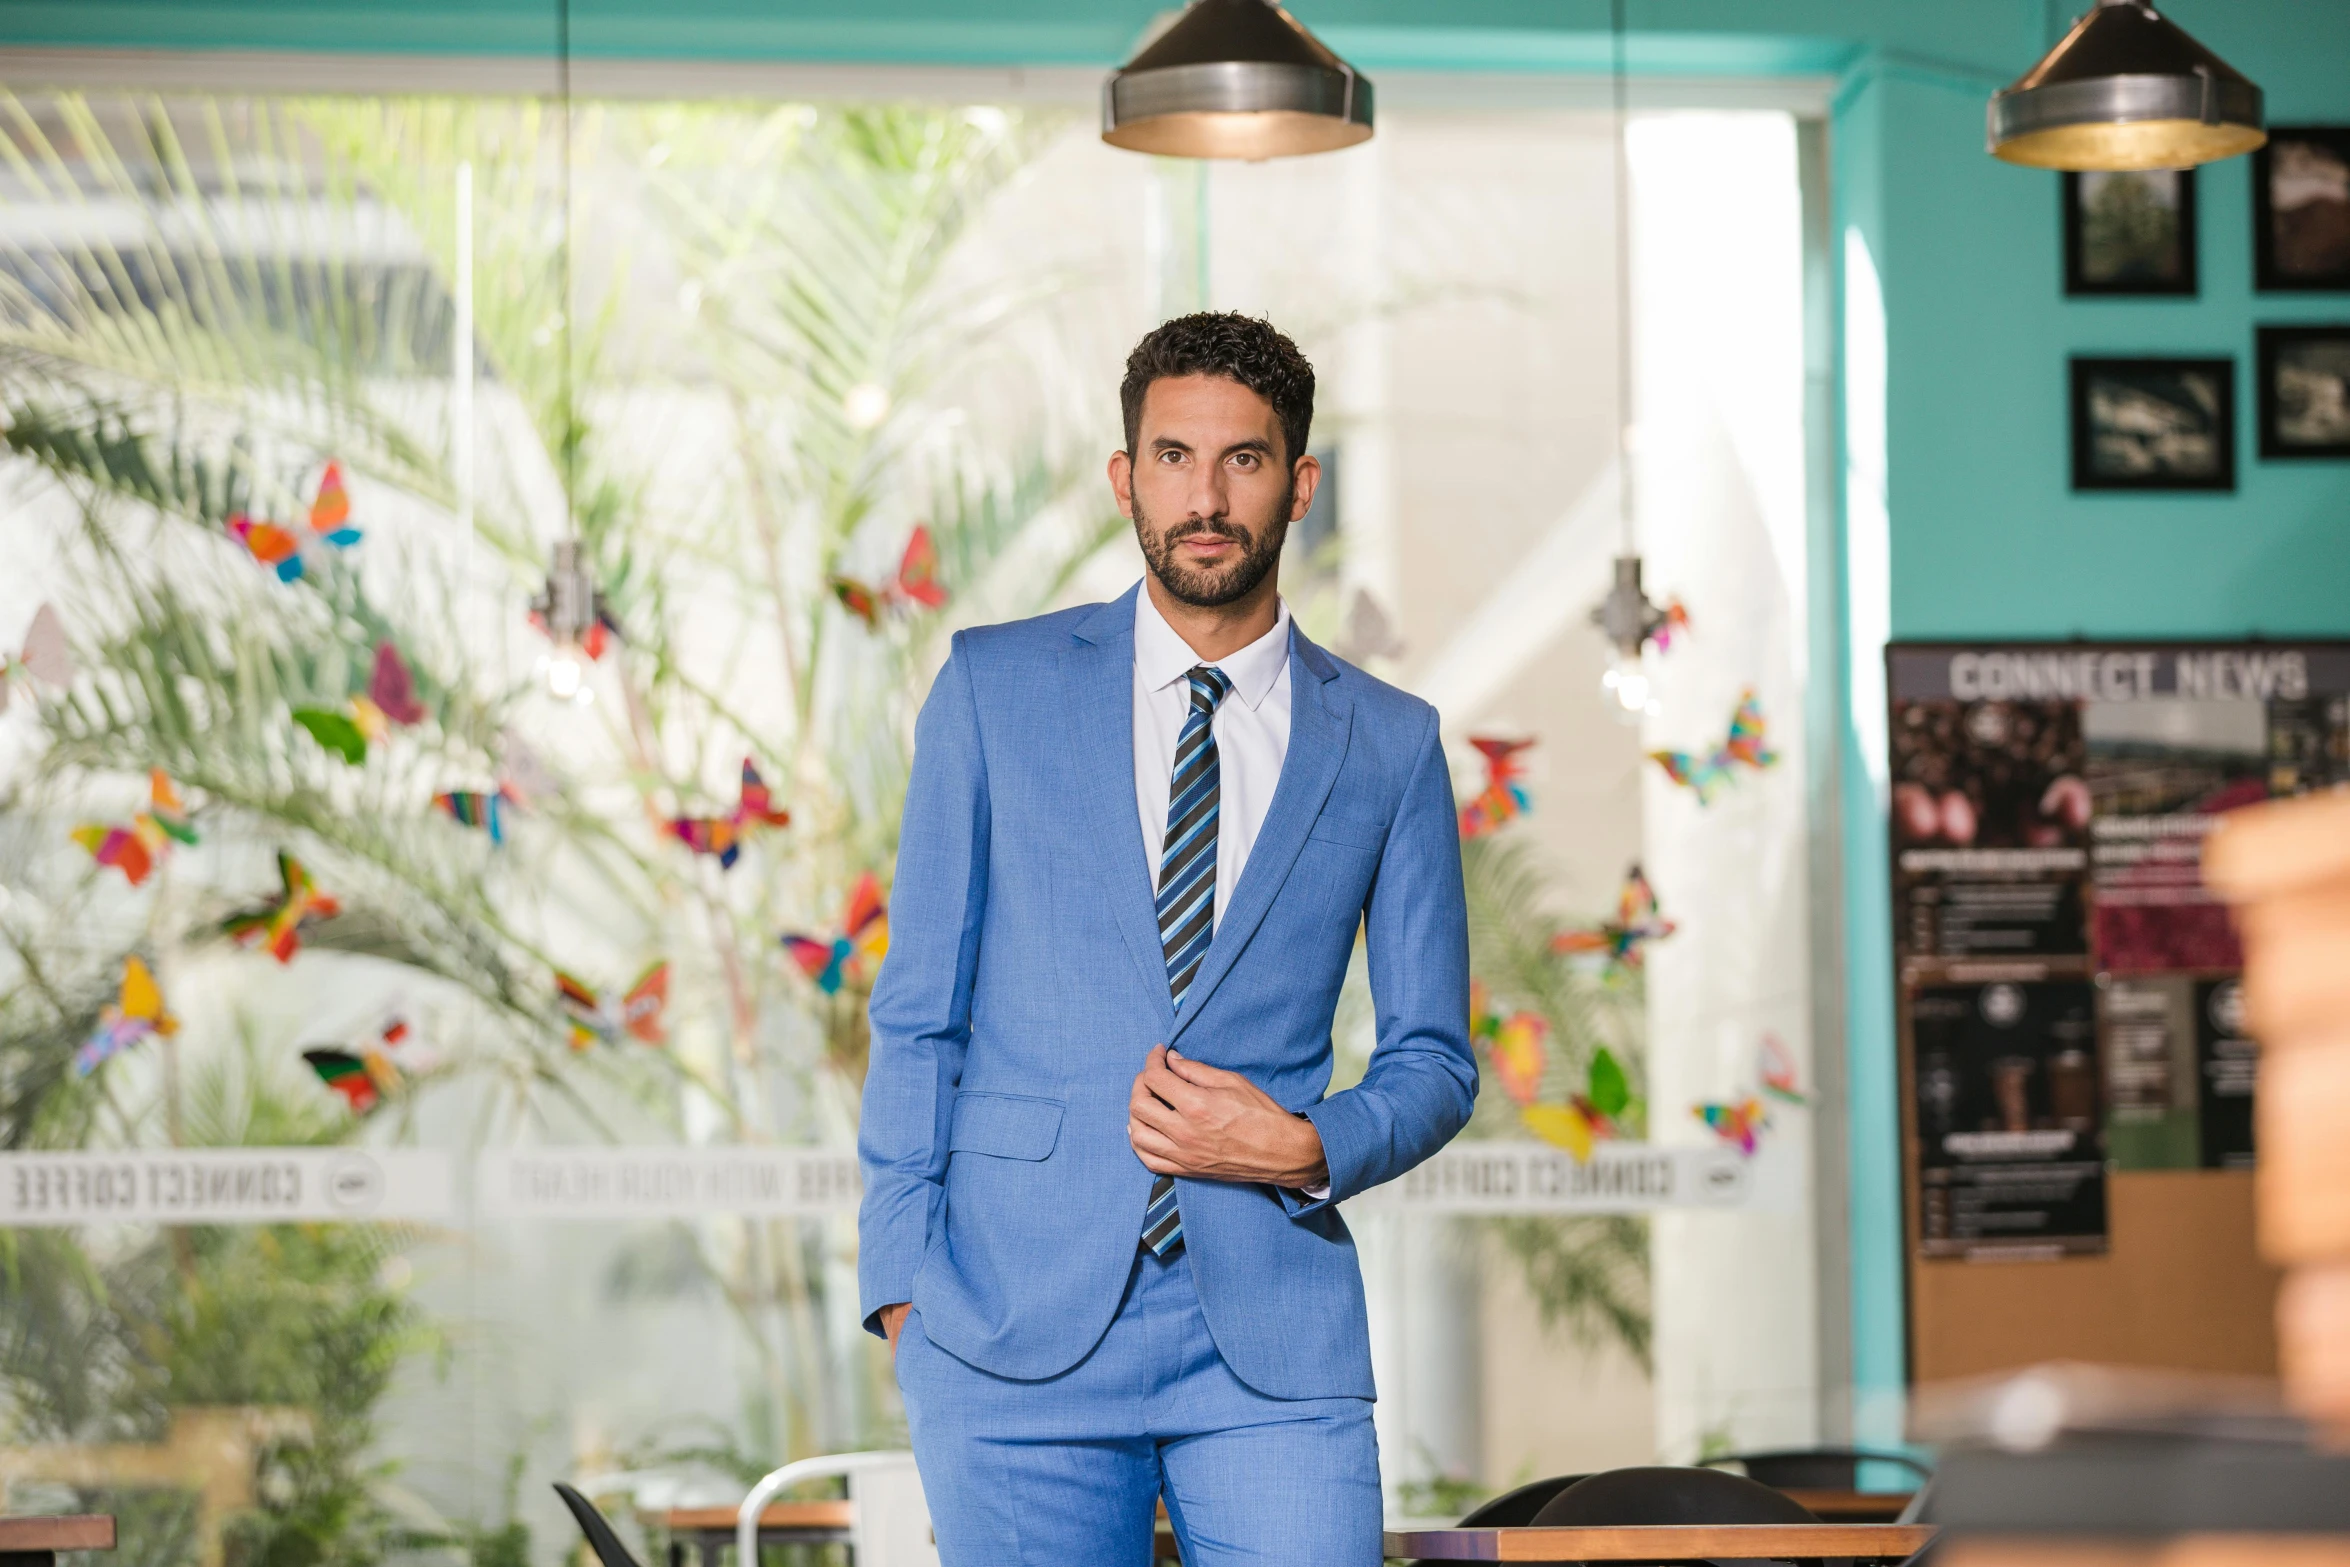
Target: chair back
600 1536
1516 1509
1817 1468
1624 1497
890 1522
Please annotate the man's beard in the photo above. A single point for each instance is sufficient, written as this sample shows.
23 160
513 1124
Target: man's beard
1213 589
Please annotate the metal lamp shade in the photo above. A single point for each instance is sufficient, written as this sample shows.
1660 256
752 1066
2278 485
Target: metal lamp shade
2126 89
1235 79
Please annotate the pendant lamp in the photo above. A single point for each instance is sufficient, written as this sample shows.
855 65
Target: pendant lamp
2126 89
1235 79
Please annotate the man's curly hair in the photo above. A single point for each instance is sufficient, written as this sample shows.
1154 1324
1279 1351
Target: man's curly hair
1239 348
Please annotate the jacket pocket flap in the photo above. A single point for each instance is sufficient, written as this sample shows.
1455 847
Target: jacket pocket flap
1009 1126
1355 834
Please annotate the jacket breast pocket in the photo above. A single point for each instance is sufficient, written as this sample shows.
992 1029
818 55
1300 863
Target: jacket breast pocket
1368 836
1004 1126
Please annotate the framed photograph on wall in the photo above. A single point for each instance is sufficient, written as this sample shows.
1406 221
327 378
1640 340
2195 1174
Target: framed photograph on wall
2130 233
2301 210
2154 424
2304 391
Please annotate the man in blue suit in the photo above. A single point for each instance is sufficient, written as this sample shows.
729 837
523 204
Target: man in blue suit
1102 1166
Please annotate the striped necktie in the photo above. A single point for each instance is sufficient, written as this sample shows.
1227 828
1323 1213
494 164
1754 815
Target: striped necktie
1187 891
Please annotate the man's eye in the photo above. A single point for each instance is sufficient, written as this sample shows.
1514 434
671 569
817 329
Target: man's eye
1245 460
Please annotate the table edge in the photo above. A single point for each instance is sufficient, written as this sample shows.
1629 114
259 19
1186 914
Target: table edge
57 1532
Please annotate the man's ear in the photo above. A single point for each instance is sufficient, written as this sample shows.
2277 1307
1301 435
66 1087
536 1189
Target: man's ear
1306 478
1122 483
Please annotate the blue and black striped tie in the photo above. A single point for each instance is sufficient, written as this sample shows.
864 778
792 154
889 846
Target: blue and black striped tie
1187 891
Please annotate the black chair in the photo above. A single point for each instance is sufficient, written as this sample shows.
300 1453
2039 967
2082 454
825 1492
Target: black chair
600 1537
1516 1509
1624 1497
1817 1468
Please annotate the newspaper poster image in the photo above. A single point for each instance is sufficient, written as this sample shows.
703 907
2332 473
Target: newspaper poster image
2010 1149
2048 806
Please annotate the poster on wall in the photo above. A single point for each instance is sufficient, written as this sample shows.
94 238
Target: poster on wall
2067 989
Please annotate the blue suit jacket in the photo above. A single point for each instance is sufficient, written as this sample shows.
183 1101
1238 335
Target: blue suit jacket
1025 985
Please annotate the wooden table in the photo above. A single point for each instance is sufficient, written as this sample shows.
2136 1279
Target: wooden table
35 1542
1853 1506
1656 1543
710 1530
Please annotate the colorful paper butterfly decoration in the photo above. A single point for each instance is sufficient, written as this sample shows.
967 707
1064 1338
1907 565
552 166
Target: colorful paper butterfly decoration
1503 798
137 848
281 548
863 938
367 1075
1744 748
277 927
485 809
1514 1044
47 656
639 1012
1778 1072
916 583
1622 940
1740 1124
1587 1118
1671 621
723 835
135 1014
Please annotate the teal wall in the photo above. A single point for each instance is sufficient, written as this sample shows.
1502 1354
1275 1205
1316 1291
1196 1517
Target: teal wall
1985 538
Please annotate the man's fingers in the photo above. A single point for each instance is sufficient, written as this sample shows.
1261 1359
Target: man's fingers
1154 1149
1182 1095
1200 1073
1160 1118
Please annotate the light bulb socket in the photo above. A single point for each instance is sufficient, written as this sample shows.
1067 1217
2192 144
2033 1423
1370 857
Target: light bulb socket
1625 616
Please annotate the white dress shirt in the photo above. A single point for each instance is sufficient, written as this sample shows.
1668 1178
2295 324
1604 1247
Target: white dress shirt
1251 727
1252 741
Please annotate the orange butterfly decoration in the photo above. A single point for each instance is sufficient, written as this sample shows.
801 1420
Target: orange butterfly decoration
863 939
1622 940
639 1013
277 927
723 835
916 583
280 548
137 847
1503 799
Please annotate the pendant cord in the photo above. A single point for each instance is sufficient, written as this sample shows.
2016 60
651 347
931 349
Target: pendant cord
570 430
1623 280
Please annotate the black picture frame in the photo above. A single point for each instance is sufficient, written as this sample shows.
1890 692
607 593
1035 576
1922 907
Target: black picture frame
2302 246
2090 275
2109 454
2291 430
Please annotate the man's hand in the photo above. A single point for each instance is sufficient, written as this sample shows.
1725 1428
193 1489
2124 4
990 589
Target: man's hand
1188 1118
893 1322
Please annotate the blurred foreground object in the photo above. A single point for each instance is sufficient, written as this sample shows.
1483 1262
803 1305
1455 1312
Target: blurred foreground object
2286 868
2126 89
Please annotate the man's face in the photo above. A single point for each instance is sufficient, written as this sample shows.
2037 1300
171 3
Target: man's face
1210 488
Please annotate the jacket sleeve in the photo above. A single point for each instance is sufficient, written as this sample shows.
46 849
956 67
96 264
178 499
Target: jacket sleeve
921 1007
1422 1080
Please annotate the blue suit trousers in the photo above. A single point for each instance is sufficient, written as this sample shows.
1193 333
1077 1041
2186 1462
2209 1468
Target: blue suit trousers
1066 1470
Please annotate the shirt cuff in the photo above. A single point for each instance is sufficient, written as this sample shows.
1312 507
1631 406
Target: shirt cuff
1319 1193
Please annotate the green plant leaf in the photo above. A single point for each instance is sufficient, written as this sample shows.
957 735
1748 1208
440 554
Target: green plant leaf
1611 1091
334 731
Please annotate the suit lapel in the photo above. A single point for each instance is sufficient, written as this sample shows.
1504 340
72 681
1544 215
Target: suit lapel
1097 671
1319 722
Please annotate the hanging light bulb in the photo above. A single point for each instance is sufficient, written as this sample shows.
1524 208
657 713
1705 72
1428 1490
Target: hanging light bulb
2126 89
1235 79
1628 620
571 612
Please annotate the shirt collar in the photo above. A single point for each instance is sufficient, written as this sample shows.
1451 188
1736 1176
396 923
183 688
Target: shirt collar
1162 657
